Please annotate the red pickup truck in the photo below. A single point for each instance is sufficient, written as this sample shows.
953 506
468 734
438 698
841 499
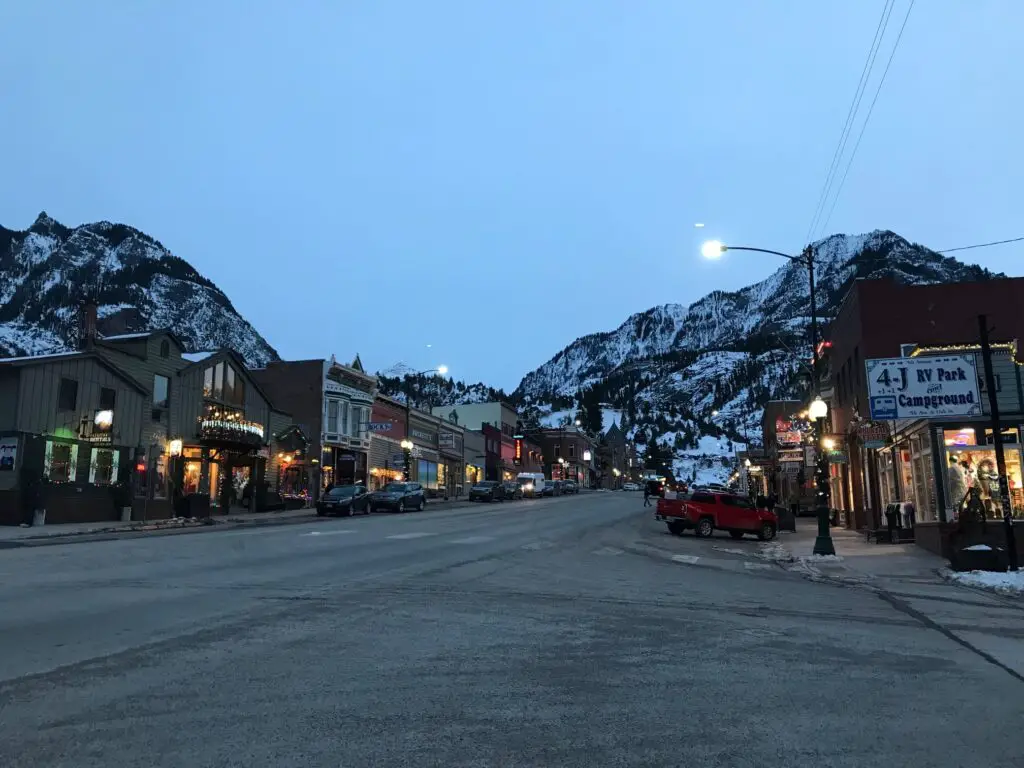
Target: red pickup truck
708 511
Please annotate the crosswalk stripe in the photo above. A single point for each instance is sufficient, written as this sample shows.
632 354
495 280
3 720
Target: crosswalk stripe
414 535
607 551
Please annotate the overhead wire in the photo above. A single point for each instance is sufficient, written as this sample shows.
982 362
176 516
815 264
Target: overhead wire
867 118
981 245
858 94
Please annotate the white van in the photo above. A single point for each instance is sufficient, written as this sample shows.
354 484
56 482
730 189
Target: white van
532 483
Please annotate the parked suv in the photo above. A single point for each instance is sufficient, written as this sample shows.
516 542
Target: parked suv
707 511
487 490
551 488
398 497
344 500
571 486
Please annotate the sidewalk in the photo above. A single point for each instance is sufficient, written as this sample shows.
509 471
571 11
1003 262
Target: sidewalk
860 559
70 531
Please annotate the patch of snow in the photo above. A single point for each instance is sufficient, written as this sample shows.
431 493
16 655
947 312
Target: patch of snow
1008 583
732 551
821 559
772 550
128 336
112 309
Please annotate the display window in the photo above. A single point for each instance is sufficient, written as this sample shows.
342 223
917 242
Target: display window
972 476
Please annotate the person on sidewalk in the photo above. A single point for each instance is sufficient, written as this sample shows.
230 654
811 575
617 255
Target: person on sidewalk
31 496
647 495
957 485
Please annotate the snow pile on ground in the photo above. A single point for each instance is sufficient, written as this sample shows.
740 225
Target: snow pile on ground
821 558
1009 583
772 550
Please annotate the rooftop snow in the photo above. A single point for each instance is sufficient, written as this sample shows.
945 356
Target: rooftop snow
196 357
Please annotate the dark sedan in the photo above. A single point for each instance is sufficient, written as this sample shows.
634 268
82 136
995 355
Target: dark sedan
345 500
513 490
398 497
570 486
487 490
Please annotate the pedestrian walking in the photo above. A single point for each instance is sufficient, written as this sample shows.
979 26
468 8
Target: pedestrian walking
647 495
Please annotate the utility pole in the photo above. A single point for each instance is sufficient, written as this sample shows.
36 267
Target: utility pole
997 439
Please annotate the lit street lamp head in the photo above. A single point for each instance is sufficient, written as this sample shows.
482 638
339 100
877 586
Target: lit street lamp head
442 369
712 249
818 409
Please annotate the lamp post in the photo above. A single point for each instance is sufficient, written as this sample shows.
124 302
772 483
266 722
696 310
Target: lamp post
407 443
823 545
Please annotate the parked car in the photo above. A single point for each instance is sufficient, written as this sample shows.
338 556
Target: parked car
551 488
344 500
513 490
571 486
706 511
398 497
487 490
532 484
630 487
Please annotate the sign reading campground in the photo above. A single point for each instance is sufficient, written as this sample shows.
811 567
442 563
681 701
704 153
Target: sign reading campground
923 387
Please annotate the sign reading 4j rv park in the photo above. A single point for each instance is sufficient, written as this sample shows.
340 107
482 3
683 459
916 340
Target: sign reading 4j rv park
923 387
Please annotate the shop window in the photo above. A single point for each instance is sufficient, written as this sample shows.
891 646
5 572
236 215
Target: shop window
103 465
442 475
59 462
161 391
190 482
208 382
67 399
108 398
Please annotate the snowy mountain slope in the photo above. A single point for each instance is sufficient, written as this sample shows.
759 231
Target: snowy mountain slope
682 375
777 306
47 271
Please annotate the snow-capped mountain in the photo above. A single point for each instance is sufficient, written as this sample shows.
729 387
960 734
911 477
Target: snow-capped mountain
777 306
400 380
48 270
682 373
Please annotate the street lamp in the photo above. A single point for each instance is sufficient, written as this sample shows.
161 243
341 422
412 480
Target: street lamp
713 249
407 454
713 414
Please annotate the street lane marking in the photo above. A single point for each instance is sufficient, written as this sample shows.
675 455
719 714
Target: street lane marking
688 559
472 540
607 551
329 533
416 535
538 545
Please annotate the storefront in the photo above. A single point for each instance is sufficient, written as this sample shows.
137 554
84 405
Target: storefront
451 472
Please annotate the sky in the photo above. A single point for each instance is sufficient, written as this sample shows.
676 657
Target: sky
477 184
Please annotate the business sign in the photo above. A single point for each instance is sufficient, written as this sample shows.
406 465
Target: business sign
873 435
791 457
380 426
587 455
517 458
837 456
426 437
923 387
445 439
786 432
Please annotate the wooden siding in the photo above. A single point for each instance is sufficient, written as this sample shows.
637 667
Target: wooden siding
40 386
142 362
8 399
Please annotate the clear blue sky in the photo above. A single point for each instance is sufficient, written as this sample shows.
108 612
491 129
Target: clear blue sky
497 178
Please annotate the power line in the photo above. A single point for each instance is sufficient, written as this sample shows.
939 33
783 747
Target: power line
871 109
858 94
981 245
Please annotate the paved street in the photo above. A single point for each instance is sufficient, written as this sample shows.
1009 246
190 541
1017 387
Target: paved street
564 632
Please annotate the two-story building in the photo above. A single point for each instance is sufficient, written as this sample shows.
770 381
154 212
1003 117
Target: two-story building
332 404
499 415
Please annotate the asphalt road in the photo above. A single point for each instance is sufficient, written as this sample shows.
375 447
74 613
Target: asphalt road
557 632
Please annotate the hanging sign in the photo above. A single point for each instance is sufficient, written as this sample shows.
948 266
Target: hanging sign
923 387
786 432
8 453
380 426
873 435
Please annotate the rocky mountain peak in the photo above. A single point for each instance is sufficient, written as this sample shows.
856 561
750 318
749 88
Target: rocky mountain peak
48 270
